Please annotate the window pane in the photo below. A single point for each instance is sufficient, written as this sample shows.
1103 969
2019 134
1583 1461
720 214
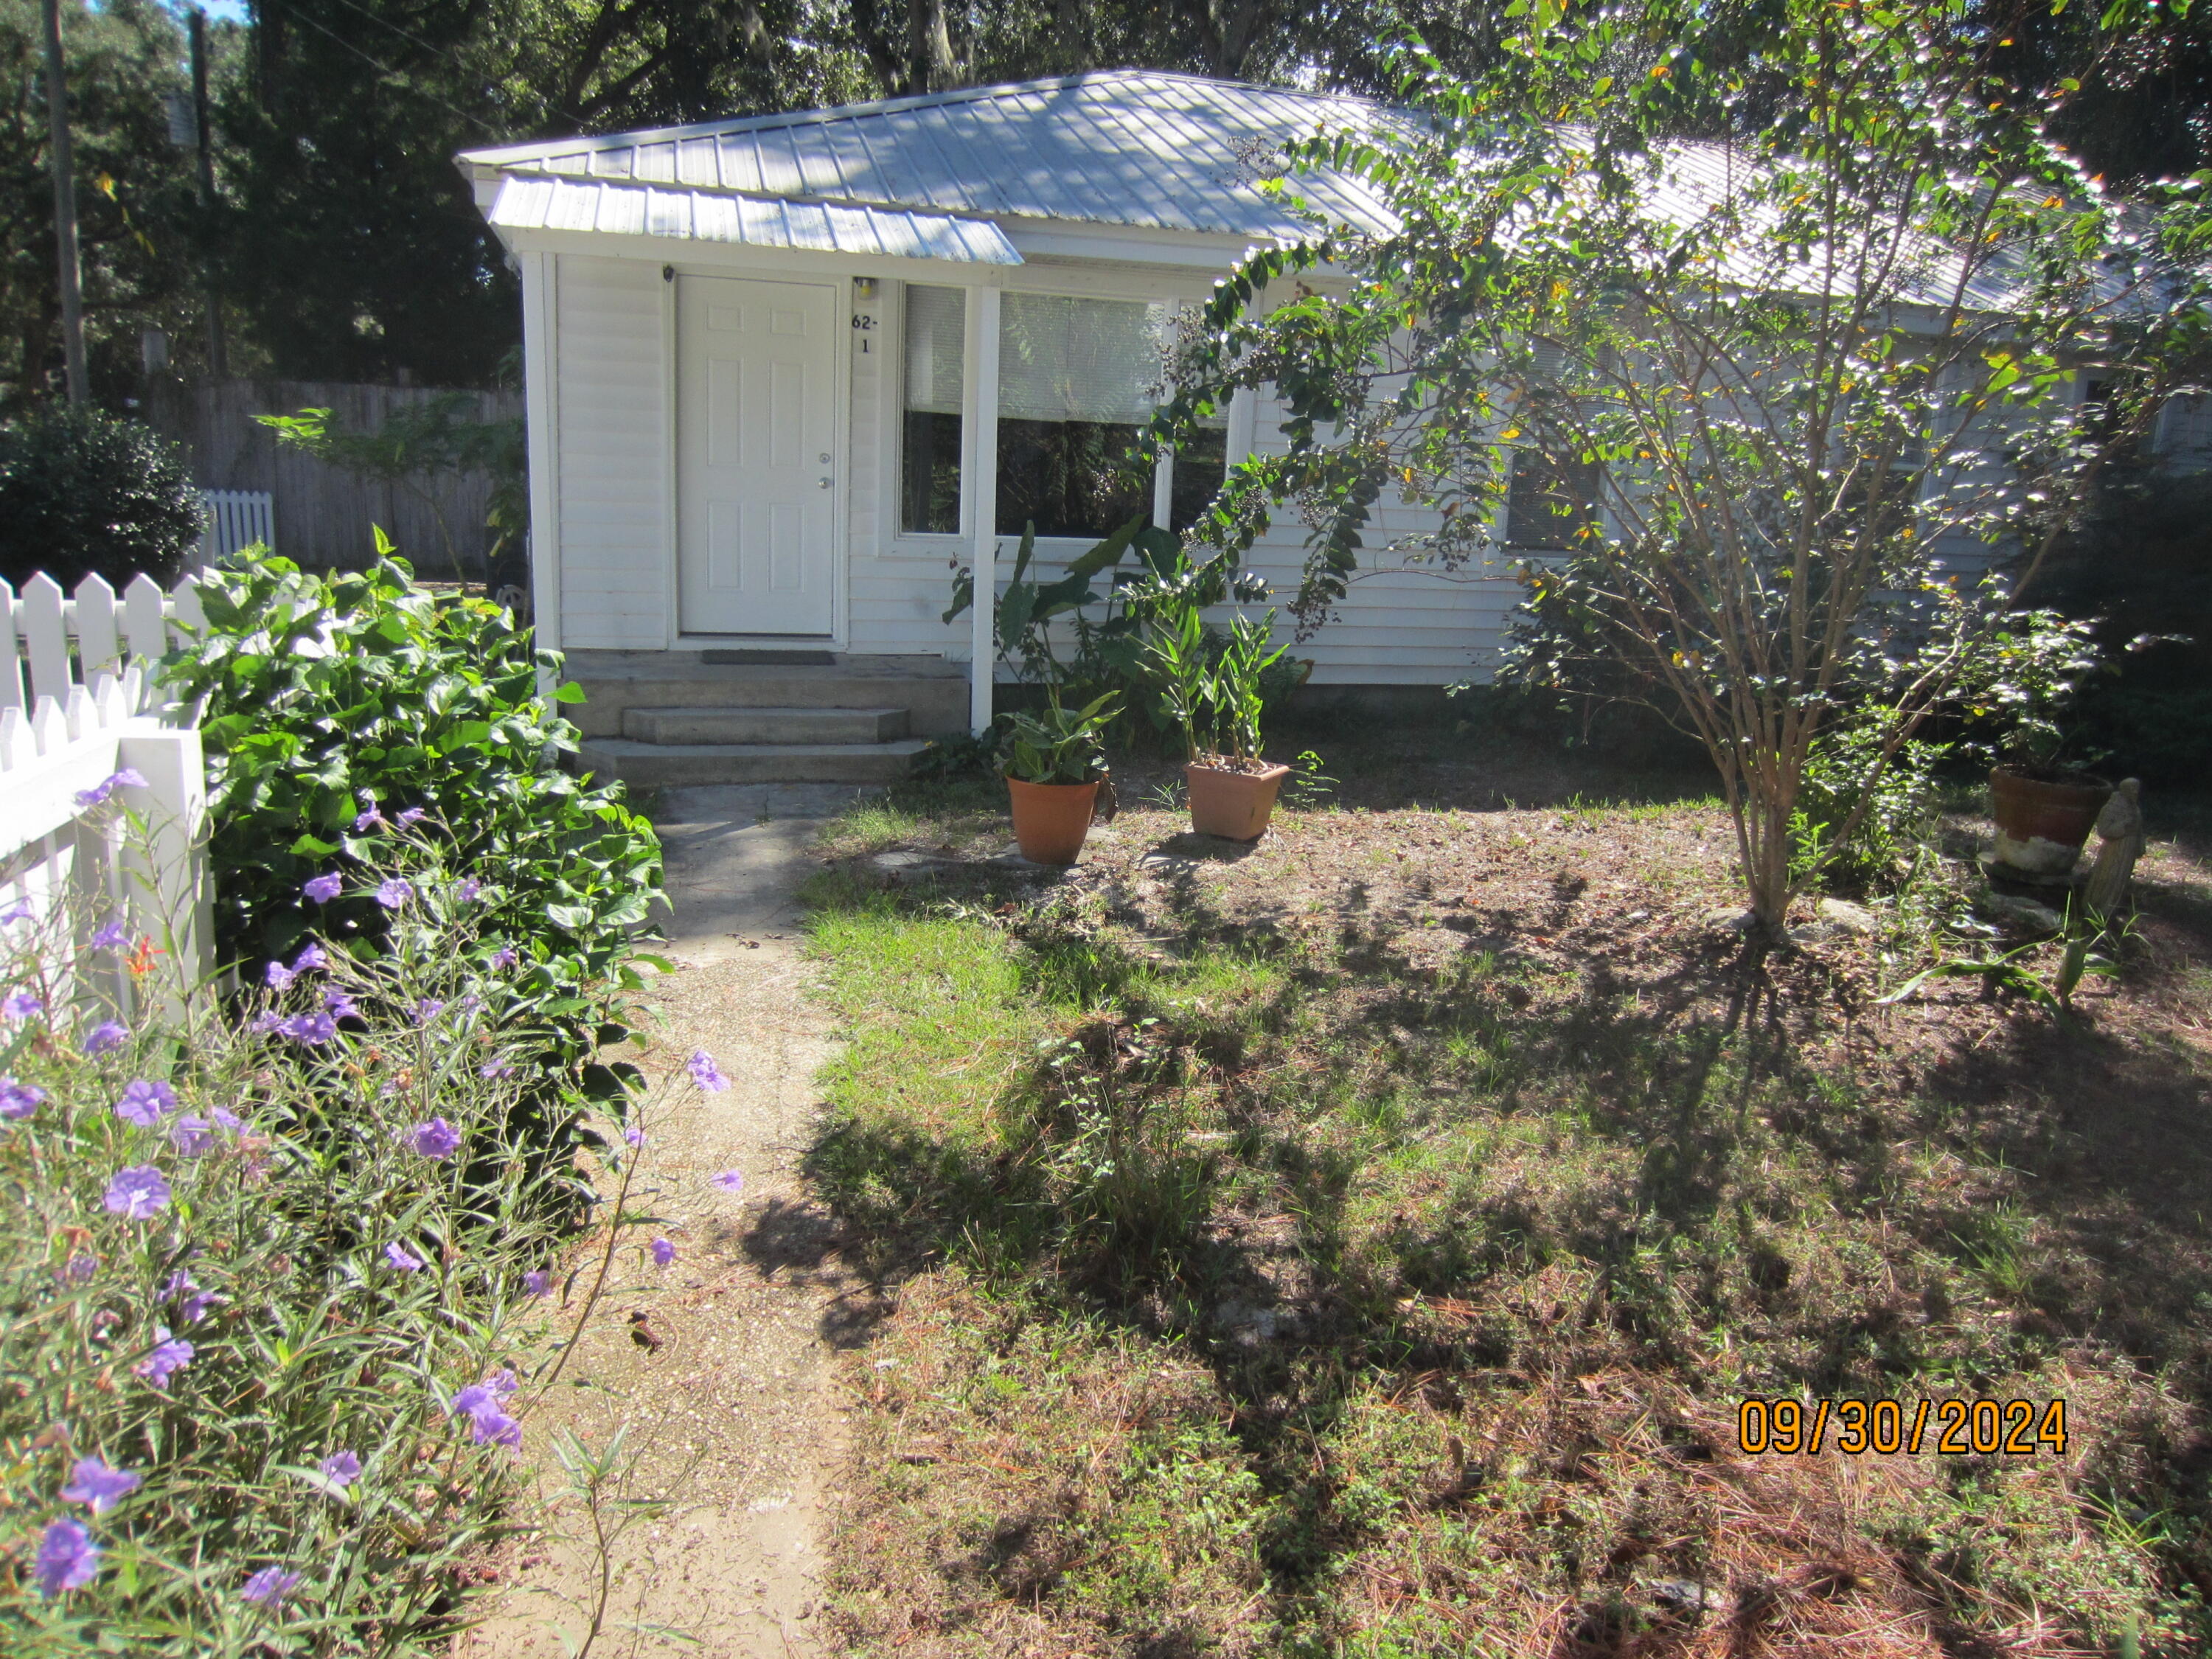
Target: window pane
1549 501
1202 462
936 346
1069 477
930 467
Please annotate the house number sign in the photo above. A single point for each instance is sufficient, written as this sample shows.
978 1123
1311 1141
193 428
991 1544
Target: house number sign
863 324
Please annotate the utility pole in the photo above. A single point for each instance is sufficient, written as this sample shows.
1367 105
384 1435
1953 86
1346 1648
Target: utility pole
217 367
65 259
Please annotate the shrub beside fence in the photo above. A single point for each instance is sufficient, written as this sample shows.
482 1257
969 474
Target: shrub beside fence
88 727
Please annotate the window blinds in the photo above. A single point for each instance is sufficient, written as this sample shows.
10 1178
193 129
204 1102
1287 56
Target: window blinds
936 345
1062 358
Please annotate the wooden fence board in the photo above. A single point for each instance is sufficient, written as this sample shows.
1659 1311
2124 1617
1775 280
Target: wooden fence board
322 514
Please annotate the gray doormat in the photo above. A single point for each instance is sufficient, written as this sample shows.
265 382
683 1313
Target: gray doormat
774 659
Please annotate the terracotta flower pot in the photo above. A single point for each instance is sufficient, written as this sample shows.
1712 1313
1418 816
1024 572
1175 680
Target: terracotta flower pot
1235 805
2041 826
1051 819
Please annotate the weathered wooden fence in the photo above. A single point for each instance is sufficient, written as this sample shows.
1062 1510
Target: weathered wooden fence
322 514
87 747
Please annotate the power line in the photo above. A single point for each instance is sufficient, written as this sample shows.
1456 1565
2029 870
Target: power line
408 34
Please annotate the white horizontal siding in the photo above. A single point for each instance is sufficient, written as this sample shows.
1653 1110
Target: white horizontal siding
613 459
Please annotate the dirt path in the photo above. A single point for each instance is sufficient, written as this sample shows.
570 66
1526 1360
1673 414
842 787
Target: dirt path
729 1416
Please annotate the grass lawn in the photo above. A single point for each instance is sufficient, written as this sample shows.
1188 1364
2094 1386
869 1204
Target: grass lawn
1358 1244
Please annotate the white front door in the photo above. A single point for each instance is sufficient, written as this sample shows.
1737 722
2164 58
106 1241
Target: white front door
755 365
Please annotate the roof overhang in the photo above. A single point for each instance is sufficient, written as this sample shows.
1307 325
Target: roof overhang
607 208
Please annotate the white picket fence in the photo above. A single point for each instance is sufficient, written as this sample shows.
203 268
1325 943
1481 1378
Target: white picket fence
91 708
236 519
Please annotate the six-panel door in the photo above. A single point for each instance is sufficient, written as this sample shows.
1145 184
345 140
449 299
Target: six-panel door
754 438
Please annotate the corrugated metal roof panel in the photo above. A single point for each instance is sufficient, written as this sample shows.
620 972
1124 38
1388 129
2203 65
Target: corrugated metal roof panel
560 203
1118 147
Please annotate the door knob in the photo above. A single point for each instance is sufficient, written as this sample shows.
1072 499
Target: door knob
822 482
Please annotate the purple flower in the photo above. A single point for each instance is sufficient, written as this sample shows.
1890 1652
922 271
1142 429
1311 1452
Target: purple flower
468 890
128 778
279 977
196 1301
68 1558
228 1122
311 954
363 821
269 1586
393 893
137 1194
730 1180
145 1102
635 1135
93 1482
505 957
537 1282
436 1139
21 1004
340 1005
170 1355
398 1257
496 1068
106 1036
704 1073
341 1469
310 1029
663 1252
480 1403
427 1010
413 815
80 1268
19 1100
111 938
324 888
503 1382
192 1136
266 1022
19 911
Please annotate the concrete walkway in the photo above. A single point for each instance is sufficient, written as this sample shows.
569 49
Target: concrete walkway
728 1413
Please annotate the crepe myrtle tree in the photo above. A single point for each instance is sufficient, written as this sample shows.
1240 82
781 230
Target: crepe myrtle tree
1759 399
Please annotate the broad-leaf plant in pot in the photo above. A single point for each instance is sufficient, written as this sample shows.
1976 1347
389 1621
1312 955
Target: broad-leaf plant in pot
1211 686
2042 796
1054 761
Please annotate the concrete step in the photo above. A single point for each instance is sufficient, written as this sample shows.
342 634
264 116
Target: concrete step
756 725
668 765
933 691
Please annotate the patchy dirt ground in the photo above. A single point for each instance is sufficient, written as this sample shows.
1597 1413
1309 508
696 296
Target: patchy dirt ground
1506 1169
725 1411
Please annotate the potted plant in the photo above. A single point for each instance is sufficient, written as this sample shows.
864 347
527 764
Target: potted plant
1212 689
2045 805
1054 764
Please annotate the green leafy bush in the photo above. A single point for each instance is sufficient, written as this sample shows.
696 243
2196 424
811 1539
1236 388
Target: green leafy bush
1901 800
348 711
82 492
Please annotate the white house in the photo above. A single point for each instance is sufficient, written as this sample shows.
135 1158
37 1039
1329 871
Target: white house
786 374
764 355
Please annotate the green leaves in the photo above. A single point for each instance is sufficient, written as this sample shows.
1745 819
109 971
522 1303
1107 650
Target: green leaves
407 701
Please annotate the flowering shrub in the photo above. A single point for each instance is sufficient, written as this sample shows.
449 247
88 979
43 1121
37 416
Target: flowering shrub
356 721
266 1296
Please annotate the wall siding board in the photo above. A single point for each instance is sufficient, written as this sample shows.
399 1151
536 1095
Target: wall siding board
611 381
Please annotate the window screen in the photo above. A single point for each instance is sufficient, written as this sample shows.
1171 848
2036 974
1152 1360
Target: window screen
936 347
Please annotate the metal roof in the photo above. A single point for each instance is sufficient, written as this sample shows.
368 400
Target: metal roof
1124 147
556 203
